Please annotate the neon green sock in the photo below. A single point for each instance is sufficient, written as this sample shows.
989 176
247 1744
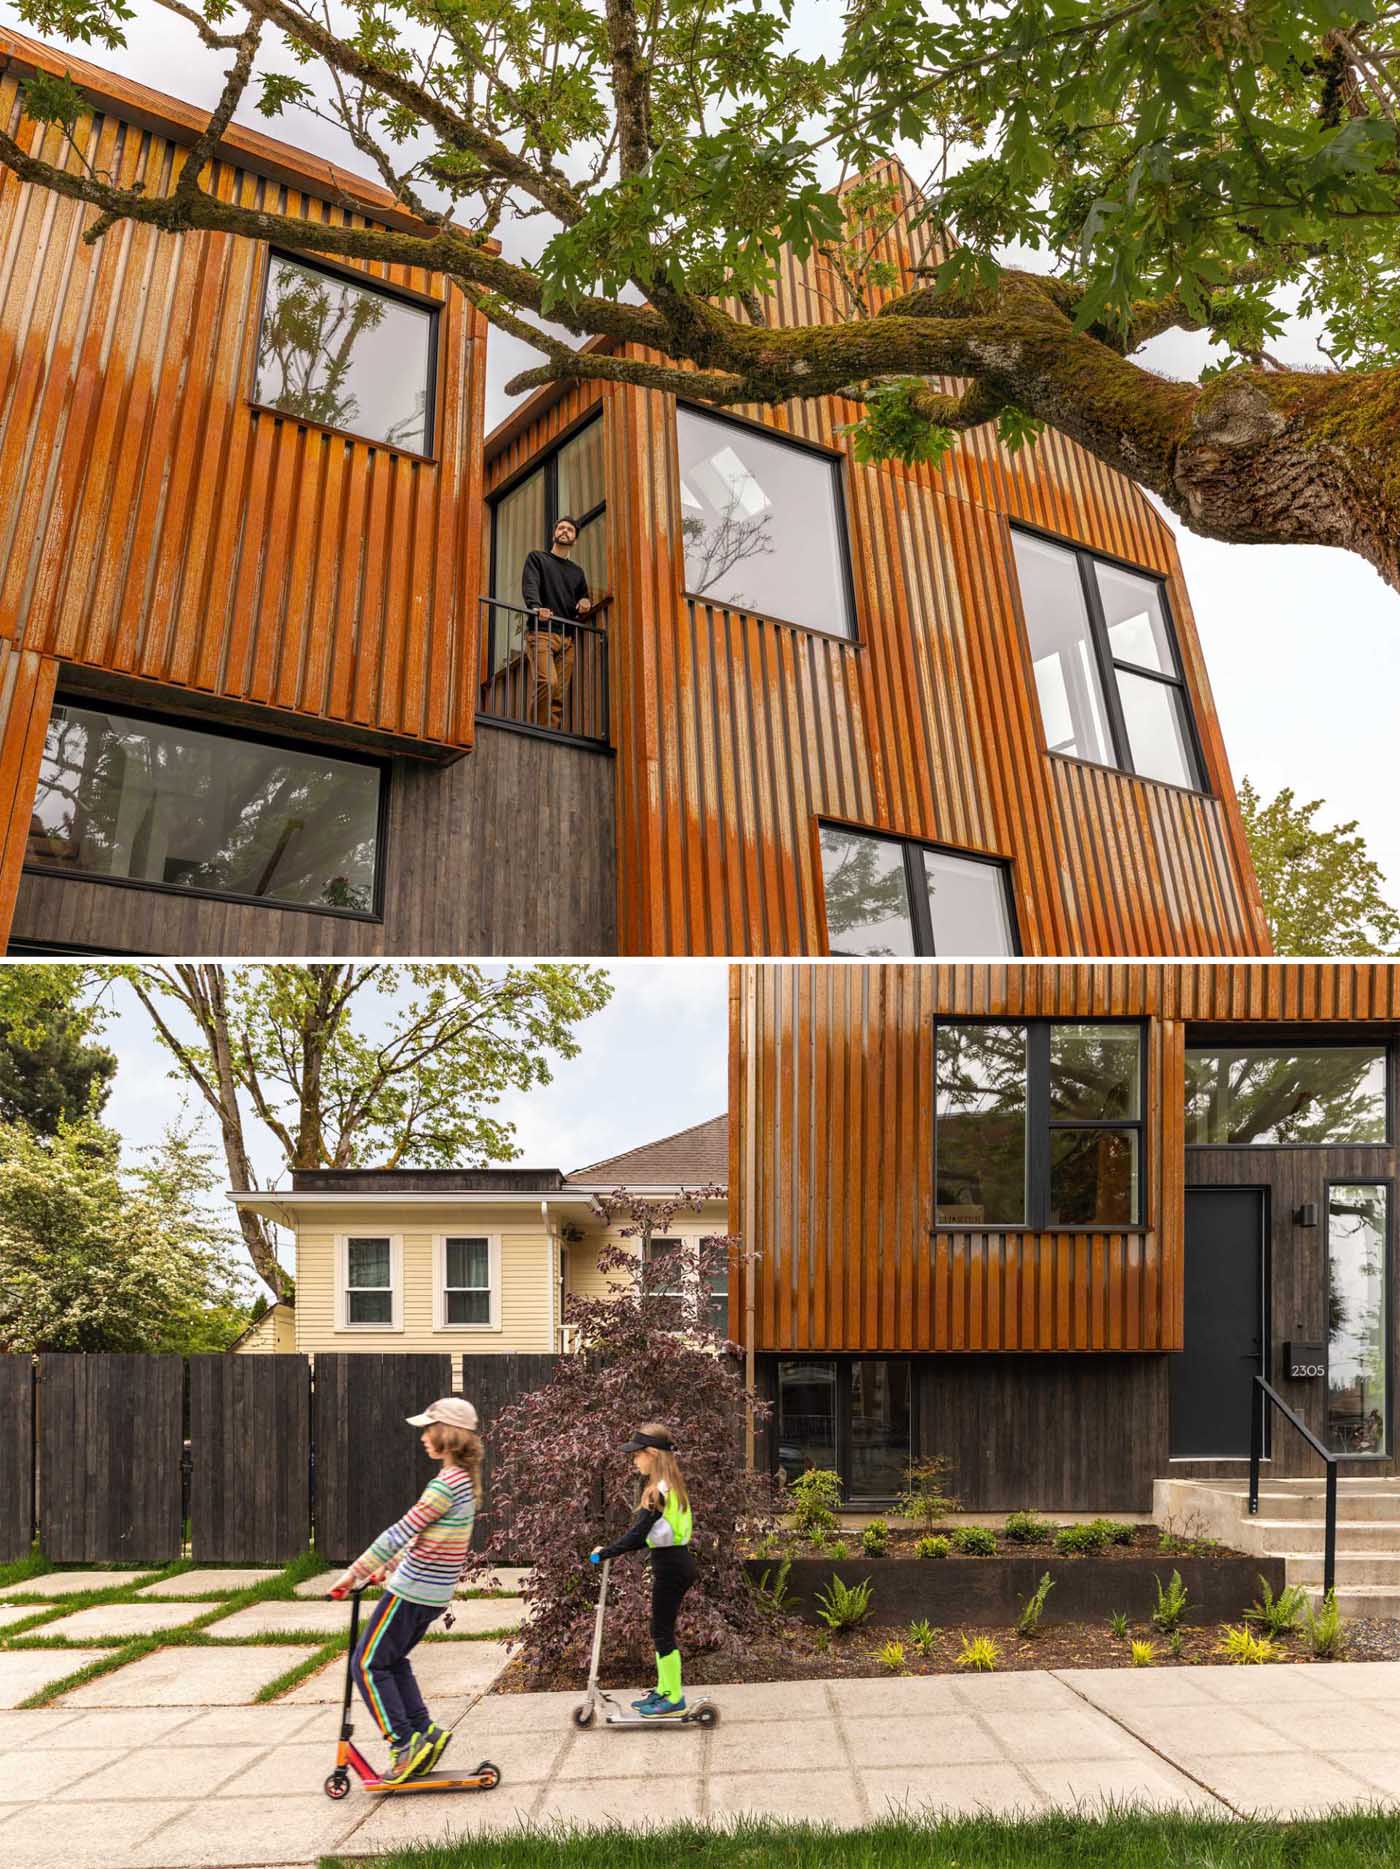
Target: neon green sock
668 1675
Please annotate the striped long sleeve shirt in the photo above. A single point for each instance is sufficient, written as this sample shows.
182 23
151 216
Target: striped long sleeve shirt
429 1542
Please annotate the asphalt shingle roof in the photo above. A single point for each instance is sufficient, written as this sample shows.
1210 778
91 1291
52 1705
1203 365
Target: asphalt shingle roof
695 1157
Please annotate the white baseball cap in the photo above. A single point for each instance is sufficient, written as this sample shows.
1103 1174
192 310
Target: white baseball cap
451 1411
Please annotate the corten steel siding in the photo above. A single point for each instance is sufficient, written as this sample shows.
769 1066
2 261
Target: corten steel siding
26 699
735 734
831 1140
153 524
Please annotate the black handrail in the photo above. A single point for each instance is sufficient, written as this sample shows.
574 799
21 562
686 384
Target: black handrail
510 692
1259 1389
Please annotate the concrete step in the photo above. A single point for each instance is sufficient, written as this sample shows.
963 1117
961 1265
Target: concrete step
1353 1572
1379 1600
1309 1534
1218 1504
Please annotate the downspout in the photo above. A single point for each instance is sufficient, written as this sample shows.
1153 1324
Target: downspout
746 1209
553 1279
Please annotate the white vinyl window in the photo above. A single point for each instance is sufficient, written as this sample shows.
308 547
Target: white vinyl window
467 1282
369 1292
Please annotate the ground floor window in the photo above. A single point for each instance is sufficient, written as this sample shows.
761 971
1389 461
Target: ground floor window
1358 1302
893 896
851 1414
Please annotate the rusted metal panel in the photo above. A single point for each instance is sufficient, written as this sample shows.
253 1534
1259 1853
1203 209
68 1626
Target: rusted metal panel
27 685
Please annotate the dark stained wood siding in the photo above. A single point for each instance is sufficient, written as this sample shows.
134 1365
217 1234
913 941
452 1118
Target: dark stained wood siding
16 1457
250 1441
110 1435
369 1466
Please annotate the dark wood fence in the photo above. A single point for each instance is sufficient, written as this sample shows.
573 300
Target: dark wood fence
369 1466
493 1383
16 1457
110 1444
250 1458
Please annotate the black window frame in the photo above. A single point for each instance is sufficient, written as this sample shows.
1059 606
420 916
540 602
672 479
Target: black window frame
547 461
1286 1038
1108 666
838 466
1364 1181
219 731
403 295
1041 1125
841 1411
920 914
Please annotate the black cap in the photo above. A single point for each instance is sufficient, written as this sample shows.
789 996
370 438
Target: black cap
639 1441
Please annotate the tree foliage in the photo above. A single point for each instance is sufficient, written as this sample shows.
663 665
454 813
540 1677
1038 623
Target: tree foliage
91 1259
561 1485
1323 894
1170 164
51 1070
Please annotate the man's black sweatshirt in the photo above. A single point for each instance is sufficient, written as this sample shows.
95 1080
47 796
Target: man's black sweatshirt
550 582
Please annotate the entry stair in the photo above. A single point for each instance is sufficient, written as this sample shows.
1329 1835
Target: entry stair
1290 1524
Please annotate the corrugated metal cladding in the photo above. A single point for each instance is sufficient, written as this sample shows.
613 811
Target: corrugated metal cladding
26 699
831 1152
735 733
152 523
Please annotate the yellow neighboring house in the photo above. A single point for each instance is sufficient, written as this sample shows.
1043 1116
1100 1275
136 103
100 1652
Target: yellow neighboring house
470 1260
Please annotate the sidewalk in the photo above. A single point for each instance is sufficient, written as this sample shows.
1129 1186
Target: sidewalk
119 1778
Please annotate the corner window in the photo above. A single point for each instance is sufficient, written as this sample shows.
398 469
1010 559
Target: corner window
889 896
569 479
1259 1096
348 355
468 1282
763 524
1107 670
1358 1307
1039 1125
370 1283
174 807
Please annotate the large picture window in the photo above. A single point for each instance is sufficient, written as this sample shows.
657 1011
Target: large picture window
1106 666
891 896
350 356
854 1415
763 524
1039 1125
169 805
1358 1307
1267 1096
569 479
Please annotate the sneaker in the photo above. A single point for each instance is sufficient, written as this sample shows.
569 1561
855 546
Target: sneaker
404 1760
658 1707
652 1693
437 1740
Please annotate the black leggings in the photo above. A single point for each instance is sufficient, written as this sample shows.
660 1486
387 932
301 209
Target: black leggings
672 1574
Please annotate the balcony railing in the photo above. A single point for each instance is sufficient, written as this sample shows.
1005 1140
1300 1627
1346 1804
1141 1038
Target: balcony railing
549 678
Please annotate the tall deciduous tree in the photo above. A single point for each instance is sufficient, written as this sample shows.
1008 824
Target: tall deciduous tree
1173 165
414 1082
51 1070
1322 893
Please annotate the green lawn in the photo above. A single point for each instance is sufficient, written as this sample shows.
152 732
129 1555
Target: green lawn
1118 1839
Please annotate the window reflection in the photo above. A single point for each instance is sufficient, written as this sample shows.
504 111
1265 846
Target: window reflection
806 1416
869 909
345 355
1357 1309
867 896
981 1139
1254 1094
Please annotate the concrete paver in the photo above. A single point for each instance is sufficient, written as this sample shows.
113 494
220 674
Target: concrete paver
1361 1727
478 1615
116 1729
11 1613
201 1582
33 1773
163 1772
107 1836
249 1830
800 1745
505 1579
1041 1735
106 1621
72 1582
632 1801
185 1677
965 1789
40 1725
324 1619
23 1671
272 1724
442 1668
930 1739
1068 1784
1279 1784
830 1797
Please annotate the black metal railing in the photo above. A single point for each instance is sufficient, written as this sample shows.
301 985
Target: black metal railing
549 677
1260 1392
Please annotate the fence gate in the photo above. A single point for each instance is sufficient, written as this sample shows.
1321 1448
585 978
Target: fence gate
16 1457
369 1466
250 1443
109 1458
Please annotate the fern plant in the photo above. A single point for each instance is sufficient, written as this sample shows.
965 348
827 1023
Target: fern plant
932 1548
1323 1627
839 1550
773 1596
1144 1654
979 1654
1118 1623
844 1606
1243 1645
1278 1615
1171 1603
892 1655
1028 1622
923 1635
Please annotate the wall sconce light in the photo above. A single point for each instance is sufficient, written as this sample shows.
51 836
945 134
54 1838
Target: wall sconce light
1306 1215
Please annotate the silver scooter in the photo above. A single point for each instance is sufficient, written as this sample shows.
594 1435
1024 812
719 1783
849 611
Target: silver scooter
699 1713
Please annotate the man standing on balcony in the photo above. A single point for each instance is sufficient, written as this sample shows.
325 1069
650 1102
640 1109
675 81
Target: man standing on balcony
555 588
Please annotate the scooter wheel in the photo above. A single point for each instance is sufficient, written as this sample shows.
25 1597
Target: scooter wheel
337 1786
490 1775
583 1716
707 1716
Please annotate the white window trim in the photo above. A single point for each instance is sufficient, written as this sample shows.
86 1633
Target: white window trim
342 1281
493 1262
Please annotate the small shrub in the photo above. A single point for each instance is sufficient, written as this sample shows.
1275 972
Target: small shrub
923 1635
1243 1645
844 1606
892 1655
766 1546
1113 1531
1171 1604
1077 1540
975 1541
932 1548
1033 1608
1186 1537
1144 1654
1327 1638
822 1641
815 1496
1118 1623
1027 1528
875 1539
925 1498
979 1654
1175 1643
838 1550
773 1596
1278 1615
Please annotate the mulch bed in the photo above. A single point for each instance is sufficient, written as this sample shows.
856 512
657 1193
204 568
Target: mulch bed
1146 1541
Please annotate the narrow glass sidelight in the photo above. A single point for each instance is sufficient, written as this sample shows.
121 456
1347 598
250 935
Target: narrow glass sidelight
1358 1335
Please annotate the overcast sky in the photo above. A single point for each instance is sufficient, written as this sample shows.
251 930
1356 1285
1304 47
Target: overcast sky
1302 643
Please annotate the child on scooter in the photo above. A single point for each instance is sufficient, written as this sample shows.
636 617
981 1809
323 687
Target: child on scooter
423 1555
662 1527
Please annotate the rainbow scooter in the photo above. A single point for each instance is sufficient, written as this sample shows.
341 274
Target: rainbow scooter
349 1758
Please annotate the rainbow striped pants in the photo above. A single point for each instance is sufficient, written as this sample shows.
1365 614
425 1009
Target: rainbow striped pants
383 1671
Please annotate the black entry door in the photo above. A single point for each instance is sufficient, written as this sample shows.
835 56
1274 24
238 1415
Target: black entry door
1223 1324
